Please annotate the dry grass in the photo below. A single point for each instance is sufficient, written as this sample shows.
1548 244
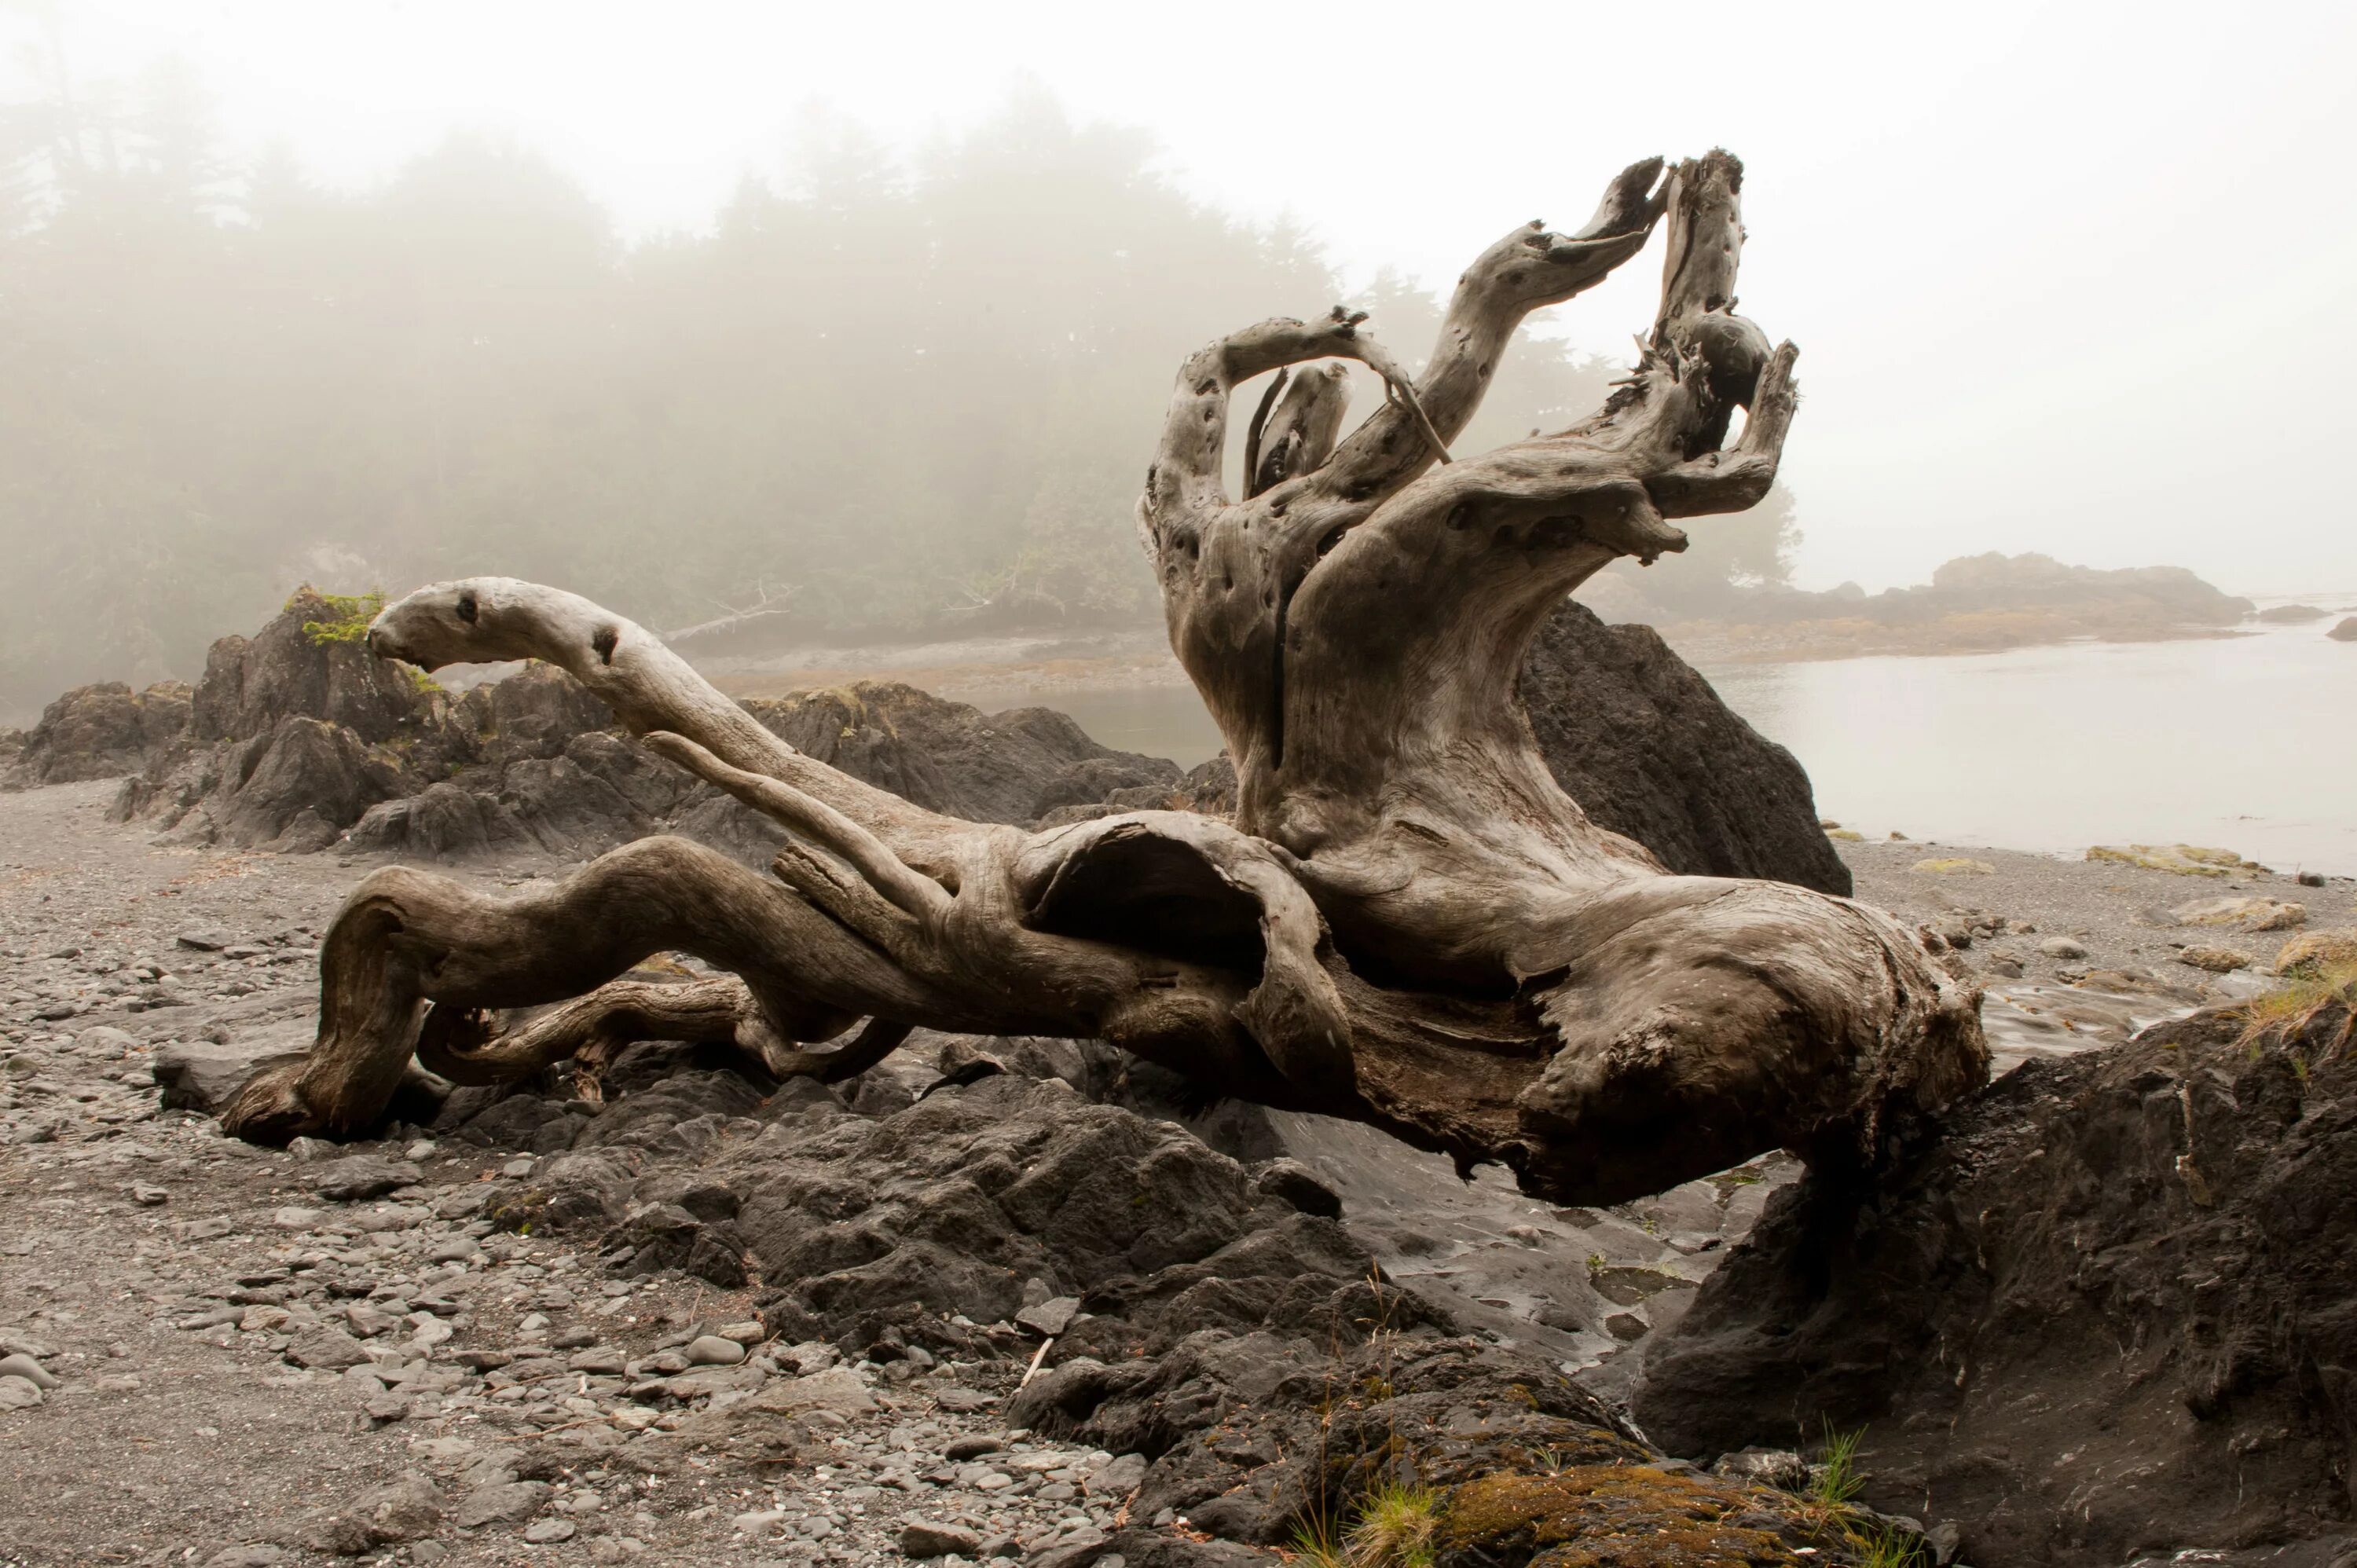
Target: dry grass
2310 991
1394 1528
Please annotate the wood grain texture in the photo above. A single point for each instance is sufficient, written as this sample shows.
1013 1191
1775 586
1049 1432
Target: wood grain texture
1407 924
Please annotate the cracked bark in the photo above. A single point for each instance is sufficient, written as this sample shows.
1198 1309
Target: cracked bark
1408 924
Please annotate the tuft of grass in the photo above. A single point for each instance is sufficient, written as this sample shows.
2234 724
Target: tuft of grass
1889 1547
1313 1542
351 614
1394 1528
2309 992
1837 1480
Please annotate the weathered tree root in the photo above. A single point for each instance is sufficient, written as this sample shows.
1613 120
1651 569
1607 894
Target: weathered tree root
1408 924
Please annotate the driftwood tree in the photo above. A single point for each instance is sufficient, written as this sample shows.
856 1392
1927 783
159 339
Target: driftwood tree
1407 924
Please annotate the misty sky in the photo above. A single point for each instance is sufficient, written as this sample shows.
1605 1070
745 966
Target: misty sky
2067 278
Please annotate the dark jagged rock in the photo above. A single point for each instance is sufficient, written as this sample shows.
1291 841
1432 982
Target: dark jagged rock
283 671
2111 1307
1255 1445
100 732
446 822
1013 767
291 737
1646 747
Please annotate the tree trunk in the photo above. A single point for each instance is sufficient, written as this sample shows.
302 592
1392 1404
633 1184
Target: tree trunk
1408 924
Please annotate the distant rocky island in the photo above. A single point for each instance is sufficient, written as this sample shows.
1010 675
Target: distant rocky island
1973 603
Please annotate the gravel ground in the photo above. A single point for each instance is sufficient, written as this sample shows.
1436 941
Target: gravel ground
245 1368
2127 969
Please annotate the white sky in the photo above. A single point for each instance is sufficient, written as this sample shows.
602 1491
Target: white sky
2065 278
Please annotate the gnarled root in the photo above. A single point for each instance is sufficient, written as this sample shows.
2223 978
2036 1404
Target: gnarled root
1408 925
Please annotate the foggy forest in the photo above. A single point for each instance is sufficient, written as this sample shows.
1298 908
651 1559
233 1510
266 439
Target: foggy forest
895 397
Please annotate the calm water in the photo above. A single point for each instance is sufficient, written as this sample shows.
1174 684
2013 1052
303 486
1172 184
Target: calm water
2248 742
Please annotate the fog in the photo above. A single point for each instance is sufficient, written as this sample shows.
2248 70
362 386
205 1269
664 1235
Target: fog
682 304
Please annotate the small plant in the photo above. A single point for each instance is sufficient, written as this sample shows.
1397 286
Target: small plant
1313 1542
2312 990
351 614
1836 1480
1394 1528
1889 1547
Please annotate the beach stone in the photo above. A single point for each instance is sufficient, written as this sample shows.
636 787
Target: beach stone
1954 865
2245 914
2178 860
18 1393
327 1349
2061 947
359 1177
201 1075
386 1515
148 1196
712 1350
507 1502
1290 1181
2217 961
838 1391
2309 953
23 1366
1117 1479
921 1538
1051 1317
106 1041
547 1531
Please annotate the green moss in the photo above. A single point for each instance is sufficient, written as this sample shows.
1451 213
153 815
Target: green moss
1604 1516
350 615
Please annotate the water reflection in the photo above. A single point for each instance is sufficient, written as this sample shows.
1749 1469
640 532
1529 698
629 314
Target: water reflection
2247 742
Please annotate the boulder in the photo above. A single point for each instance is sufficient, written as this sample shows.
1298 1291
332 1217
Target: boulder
443 822
101 732
287 740
2107 1308
201 1075
299 665
1013 767
2345 630
1646 747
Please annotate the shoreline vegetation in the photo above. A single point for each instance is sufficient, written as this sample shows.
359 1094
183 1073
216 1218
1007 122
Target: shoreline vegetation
1990 603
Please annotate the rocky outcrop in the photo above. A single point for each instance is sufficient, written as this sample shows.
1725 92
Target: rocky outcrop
1208 1317
297 739
291 735
1646 747
2111 1308
1013 767
100 732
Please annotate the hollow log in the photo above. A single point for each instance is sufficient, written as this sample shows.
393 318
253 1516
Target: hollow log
1407 924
